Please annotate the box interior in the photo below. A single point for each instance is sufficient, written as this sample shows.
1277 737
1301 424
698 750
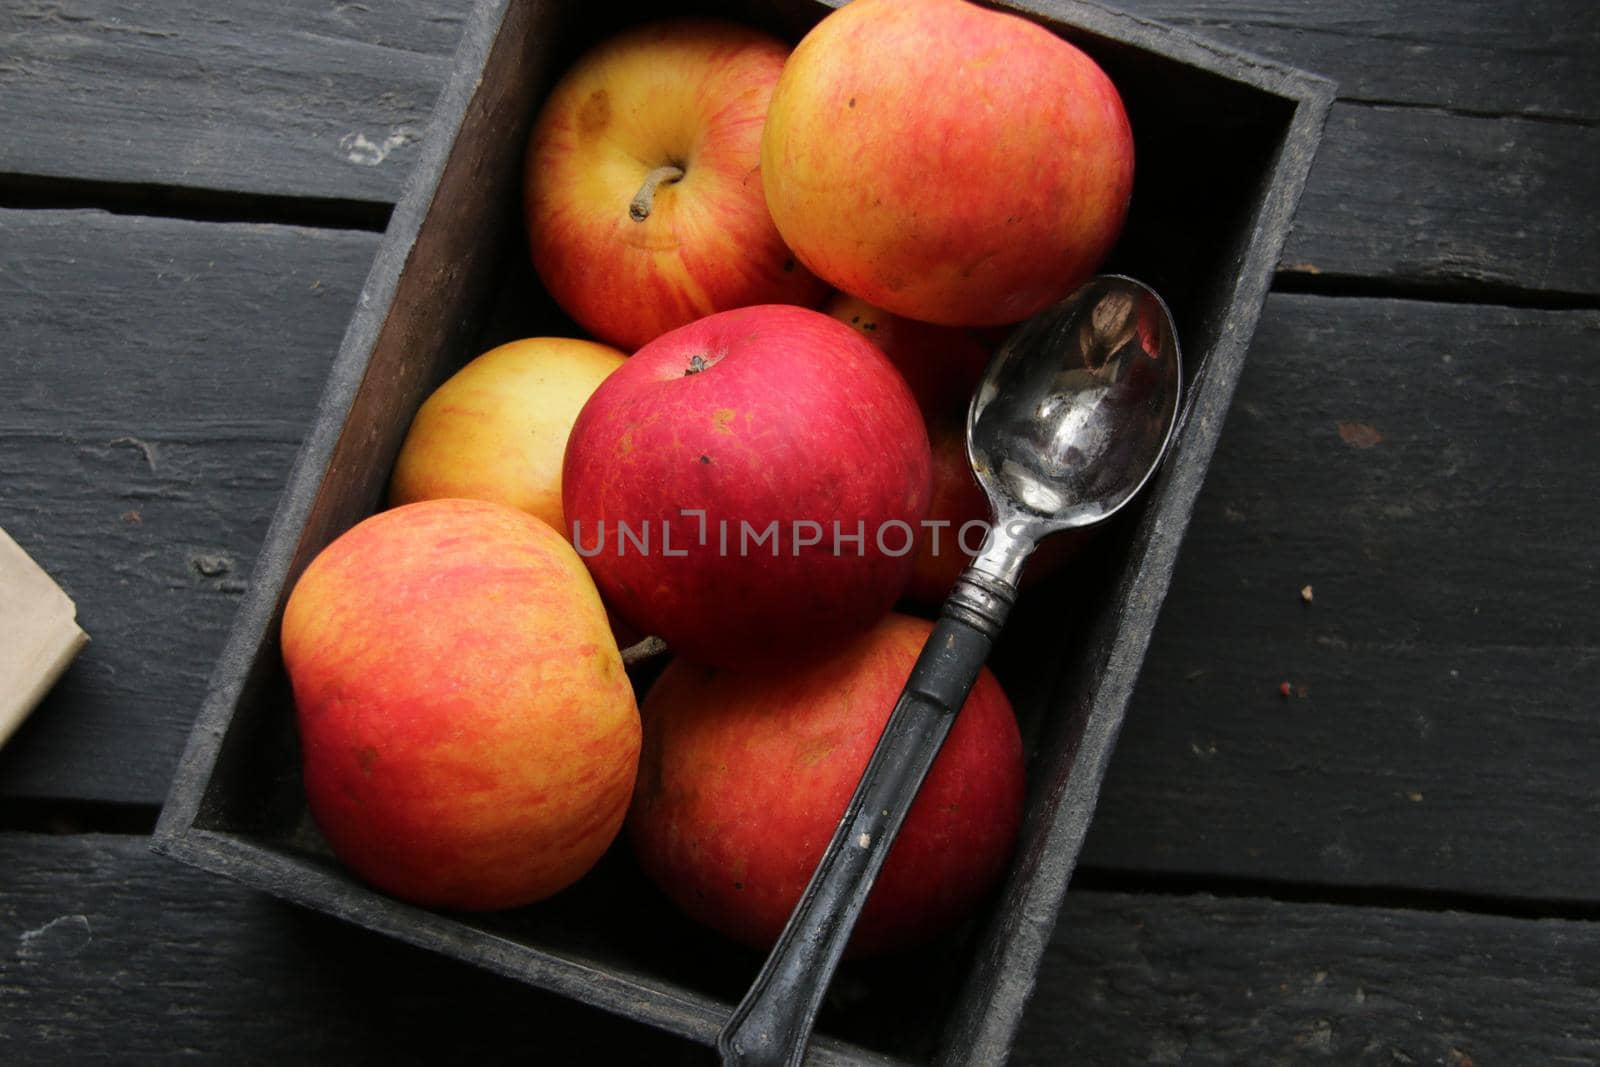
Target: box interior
1205 150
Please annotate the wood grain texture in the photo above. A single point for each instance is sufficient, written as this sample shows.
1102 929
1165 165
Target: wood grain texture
1427 470
1493 59
156 378
1198 980
1432 198
108 952
317 98
325 99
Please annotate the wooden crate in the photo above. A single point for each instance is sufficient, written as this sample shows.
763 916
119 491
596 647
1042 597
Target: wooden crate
1224 142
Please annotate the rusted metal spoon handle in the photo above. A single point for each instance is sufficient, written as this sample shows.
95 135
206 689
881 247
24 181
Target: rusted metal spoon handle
773 1023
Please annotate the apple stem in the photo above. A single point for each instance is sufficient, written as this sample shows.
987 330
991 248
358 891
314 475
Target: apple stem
639 208
649 648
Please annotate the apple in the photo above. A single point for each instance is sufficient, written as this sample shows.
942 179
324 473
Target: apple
706 481
958 519
744 777
946 162
959 503
942 364
469 737
497 429
642 194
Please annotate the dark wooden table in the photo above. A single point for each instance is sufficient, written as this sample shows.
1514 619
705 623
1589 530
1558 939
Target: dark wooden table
1396 863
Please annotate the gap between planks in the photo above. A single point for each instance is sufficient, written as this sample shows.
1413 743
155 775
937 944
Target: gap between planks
26 192
30 815
1303 279
1178 884
21 192
89 817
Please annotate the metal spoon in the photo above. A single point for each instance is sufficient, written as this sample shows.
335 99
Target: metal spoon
1071 419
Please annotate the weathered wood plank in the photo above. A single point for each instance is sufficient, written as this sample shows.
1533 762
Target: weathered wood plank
1428 470
1198 980
109 952
112 951
1504 59
320 99
1433 198
156 378
315 98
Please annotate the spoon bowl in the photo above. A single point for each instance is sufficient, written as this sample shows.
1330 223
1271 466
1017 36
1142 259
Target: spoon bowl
1077 406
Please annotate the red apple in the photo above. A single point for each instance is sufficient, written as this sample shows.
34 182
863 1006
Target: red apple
958 519
942 364
469 737
946 162
643 194
744 777
733 450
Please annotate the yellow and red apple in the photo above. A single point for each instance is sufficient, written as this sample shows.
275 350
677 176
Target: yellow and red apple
946 162
643 196
469 737
743 778
497 429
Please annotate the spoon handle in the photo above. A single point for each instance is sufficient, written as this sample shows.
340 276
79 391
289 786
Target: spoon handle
772 1024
